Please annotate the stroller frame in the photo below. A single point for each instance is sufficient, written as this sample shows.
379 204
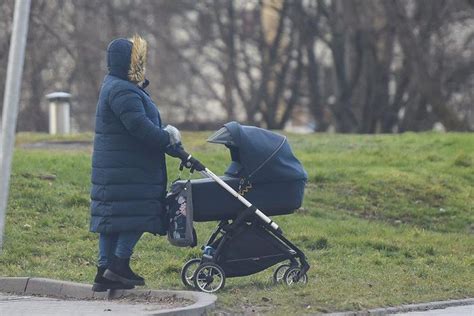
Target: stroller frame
209 267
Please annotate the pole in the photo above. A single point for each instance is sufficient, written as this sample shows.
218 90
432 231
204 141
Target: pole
16 57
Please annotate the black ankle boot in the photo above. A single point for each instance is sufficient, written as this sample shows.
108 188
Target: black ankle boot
120 271
102 284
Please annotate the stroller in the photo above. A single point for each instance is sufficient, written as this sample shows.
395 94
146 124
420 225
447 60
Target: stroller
264 178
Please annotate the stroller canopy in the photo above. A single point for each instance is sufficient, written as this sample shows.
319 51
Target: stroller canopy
262 155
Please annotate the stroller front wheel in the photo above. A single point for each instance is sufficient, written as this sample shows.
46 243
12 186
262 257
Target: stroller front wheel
209 277
188 271
293 276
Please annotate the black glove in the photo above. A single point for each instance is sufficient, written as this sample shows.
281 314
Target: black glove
192 164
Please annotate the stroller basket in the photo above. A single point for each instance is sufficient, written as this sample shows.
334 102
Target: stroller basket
250 251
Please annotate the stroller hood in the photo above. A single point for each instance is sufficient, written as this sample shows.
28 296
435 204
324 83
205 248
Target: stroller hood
263 155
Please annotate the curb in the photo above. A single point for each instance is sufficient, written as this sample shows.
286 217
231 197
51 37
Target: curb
203 302
407 308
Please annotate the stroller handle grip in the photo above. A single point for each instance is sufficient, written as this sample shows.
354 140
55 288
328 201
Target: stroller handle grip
188 161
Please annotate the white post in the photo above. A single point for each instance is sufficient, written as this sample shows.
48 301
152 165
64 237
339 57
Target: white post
59 118
16 57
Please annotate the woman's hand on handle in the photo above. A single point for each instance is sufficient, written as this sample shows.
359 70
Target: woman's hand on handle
188 161
192 164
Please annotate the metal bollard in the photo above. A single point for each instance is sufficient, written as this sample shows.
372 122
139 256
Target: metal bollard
59 108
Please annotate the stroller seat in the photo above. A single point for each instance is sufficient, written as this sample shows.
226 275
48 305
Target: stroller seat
211 202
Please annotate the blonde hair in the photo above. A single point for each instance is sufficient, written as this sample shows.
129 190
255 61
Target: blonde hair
136 71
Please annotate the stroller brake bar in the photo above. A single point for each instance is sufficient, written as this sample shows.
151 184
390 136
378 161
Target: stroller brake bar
208 173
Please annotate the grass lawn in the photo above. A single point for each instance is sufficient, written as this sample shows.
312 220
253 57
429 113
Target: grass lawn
387 219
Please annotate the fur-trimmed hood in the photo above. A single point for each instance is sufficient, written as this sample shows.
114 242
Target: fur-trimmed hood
126 58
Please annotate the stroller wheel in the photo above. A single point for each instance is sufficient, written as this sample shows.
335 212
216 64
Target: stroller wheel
279 273
292 276
188 270
209 277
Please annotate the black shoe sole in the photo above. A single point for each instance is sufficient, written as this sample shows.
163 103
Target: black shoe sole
115 277
100 287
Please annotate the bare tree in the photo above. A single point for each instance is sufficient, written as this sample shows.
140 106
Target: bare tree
415 38
362 66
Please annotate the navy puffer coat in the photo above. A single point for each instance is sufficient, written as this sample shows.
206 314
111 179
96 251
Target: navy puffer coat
128 162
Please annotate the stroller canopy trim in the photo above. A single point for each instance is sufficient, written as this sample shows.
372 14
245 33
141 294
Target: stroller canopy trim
269 158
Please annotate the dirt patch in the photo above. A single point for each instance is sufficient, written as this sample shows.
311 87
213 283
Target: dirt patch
172 300
153 302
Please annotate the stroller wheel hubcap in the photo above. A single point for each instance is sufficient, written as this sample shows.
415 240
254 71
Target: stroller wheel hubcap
293 276
209 277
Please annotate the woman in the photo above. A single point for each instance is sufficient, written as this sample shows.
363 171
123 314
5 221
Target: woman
128 165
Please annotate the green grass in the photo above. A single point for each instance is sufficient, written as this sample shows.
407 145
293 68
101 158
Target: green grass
387 220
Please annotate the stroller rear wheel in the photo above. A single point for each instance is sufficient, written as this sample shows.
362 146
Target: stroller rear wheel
188 270
279 273
209 277
292 276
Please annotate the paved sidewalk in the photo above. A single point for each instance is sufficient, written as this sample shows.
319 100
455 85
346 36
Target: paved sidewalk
459 307
39 296
467 310
13 305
